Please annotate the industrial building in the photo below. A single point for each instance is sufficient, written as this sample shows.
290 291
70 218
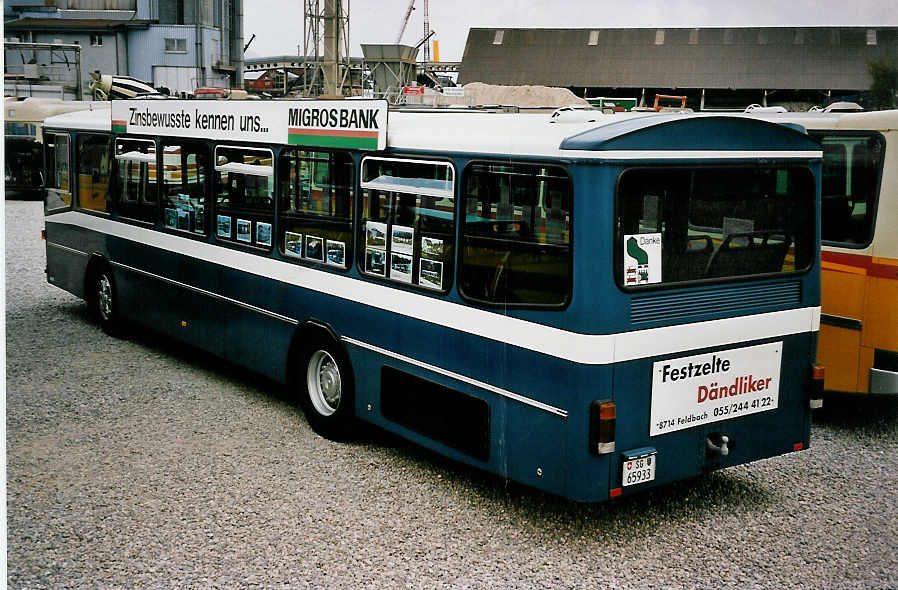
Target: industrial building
713 67
179 44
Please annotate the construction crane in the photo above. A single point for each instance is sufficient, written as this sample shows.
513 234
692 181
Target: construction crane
426 32
408 13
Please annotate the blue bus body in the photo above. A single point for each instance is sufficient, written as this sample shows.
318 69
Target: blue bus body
507 389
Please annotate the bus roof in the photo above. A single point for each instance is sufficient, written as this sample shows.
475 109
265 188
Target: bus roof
96 118
541 135
869 120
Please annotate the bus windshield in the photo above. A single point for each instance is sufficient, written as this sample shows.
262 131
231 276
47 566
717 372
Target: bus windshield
678 224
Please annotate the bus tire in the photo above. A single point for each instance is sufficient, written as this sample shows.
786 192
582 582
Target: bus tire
326 385
104 301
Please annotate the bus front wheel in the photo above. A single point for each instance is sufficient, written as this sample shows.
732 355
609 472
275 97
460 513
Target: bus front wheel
328 400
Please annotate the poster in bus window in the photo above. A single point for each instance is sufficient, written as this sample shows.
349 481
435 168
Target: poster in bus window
244 230
376 262
293 244
171 217
336 253
431 248
642 259
263 234
375 234
224 226
401 267
402 239
184 219
314 248
430 274
200 221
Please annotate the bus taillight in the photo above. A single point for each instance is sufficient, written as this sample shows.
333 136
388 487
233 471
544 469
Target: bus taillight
816 387
602 419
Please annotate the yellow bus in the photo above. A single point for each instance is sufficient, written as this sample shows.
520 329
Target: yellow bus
859 232
22 119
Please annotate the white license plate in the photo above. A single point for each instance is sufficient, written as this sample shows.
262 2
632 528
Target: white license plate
641 470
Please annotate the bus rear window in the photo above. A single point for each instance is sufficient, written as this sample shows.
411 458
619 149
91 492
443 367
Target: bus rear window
689 224
852 165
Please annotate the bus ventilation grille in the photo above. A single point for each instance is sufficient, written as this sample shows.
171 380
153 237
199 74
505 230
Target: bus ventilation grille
719 301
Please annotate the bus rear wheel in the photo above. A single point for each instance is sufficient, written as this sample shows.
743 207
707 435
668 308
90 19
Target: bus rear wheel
328 397
105 303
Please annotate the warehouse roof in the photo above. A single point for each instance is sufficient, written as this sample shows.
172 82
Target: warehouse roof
758 57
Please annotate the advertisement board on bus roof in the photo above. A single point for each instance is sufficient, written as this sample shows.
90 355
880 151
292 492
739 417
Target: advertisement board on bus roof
348 124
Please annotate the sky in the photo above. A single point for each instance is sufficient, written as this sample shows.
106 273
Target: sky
278 24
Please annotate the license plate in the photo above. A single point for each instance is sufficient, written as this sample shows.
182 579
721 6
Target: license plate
638 470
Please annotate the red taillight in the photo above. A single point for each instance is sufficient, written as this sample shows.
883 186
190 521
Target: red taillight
615 492
43 234
818 372
602 421
815 391
797 446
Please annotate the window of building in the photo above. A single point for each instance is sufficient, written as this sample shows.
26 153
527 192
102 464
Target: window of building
244 195
852 166
94 159
677 224
693 37
497 39
834 37
185 202
20 128
135 160
516 237
762 37
59 190
593 38
659 37
315 216
408 221
728 36
871 36
96 40
176 45
799 37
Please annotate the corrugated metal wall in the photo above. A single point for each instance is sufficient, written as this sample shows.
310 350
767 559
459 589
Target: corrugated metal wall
96 4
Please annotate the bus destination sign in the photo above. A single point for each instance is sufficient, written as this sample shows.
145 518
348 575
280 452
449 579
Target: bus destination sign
347 124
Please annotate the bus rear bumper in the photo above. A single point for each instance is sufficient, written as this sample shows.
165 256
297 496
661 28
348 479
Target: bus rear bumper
883 382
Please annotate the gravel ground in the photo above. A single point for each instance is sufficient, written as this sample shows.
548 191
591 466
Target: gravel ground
137 463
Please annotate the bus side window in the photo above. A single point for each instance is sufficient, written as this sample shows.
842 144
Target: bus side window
59 192
516 237
136 177
94 157
407 231
244 195
852 164
185 202
315 222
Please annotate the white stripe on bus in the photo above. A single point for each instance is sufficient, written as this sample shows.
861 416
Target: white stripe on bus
590 349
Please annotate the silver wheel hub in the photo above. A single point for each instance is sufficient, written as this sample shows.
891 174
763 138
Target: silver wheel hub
324 383
104 297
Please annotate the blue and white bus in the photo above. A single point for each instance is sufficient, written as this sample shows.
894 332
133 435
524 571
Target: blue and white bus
588 308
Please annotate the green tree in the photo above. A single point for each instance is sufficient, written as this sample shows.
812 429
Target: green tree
885 84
